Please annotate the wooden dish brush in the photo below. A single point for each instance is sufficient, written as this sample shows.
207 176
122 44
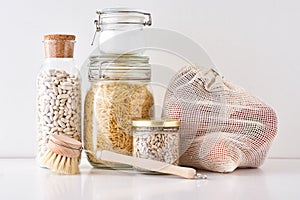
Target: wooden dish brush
64 152
63 155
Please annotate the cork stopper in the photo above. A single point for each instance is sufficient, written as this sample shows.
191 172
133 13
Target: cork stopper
59 45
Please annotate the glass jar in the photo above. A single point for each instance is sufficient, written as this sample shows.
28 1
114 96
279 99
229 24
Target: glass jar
119 92
113 23
156 140
58 92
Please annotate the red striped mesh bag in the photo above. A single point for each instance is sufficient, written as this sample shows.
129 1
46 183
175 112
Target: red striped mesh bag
223 127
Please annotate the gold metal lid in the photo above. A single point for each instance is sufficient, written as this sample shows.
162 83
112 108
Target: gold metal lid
155 123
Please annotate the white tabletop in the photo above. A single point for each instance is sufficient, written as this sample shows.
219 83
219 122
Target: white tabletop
22 179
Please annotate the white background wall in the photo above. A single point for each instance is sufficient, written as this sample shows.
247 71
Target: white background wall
253 43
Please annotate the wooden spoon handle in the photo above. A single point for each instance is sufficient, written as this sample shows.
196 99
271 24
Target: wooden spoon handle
147 164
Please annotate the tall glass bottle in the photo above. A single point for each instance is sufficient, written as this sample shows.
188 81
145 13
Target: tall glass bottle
58 92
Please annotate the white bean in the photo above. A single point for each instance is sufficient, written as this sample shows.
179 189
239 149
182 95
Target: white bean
56 113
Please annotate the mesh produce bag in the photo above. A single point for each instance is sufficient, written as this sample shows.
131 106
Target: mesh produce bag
223 127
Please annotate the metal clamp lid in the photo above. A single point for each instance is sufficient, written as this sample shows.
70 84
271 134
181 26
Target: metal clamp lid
98 21
119 67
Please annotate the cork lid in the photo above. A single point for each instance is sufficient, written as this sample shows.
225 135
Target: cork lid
59 37
59 45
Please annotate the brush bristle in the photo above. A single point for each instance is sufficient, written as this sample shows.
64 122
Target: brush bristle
60 164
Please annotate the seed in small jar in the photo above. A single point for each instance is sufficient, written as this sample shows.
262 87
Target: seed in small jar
161 146
62 96
52 95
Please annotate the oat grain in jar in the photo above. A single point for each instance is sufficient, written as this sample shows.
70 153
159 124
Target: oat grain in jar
156 140
119 92
58 92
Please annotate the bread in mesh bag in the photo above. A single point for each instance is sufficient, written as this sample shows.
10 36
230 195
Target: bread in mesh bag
223 127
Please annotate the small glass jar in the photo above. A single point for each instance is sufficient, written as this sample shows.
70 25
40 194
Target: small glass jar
113 23
58 92
119 92
156 140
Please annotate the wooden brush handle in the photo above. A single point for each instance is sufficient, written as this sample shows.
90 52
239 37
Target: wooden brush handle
151 165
